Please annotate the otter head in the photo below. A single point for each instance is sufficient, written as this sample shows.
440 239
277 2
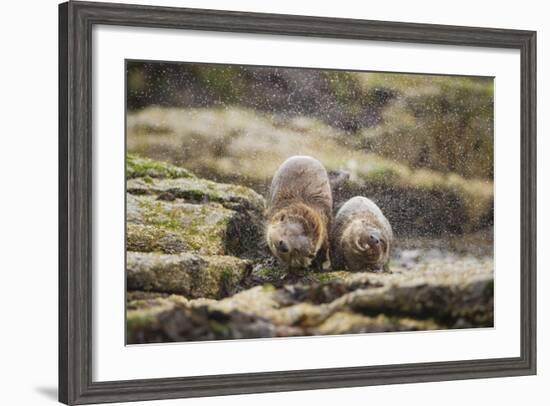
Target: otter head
365 245
290 240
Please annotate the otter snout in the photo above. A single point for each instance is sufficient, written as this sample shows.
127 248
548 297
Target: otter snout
362 236
368 239
289 242
373 239
283 247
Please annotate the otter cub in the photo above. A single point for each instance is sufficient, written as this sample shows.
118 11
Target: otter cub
299 211
361 236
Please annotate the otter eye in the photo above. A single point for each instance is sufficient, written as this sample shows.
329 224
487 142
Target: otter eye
282 217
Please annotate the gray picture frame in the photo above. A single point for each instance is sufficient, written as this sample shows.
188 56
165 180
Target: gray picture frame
76 20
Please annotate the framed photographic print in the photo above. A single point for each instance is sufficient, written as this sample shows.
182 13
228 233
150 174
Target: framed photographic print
257 203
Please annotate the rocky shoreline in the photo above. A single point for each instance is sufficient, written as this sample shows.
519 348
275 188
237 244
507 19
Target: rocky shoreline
198 269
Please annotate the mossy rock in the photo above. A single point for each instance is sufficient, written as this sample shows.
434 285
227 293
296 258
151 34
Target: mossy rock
268 271
176 226
138 167
156 225
199 191
142 314
139 300
452 298
187 274
346 322
151 238
177 322
191 214
347 303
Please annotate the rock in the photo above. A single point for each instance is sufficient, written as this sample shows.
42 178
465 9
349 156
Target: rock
140 321
444 296
268 271
177 226
138 167
136 299
347 322
150 238
155 225
173 319
349 303
188 274
197 269
199 191
184 324
180 214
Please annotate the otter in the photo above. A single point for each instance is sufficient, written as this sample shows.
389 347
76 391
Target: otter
361 237
299 211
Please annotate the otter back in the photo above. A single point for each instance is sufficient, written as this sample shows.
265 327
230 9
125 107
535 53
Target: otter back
301 179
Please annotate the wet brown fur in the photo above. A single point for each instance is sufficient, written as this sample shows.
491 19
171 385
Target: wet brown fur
344 235
300 191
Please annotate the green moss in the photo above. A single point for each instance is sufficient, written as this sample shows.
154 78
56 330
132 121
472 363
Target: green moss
222 275
384 174
137 321
145 318
228 282
219 329
326 277
268 287
174 226
148 179
135 304
137 167
226 275
152 238
154 213
266 272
